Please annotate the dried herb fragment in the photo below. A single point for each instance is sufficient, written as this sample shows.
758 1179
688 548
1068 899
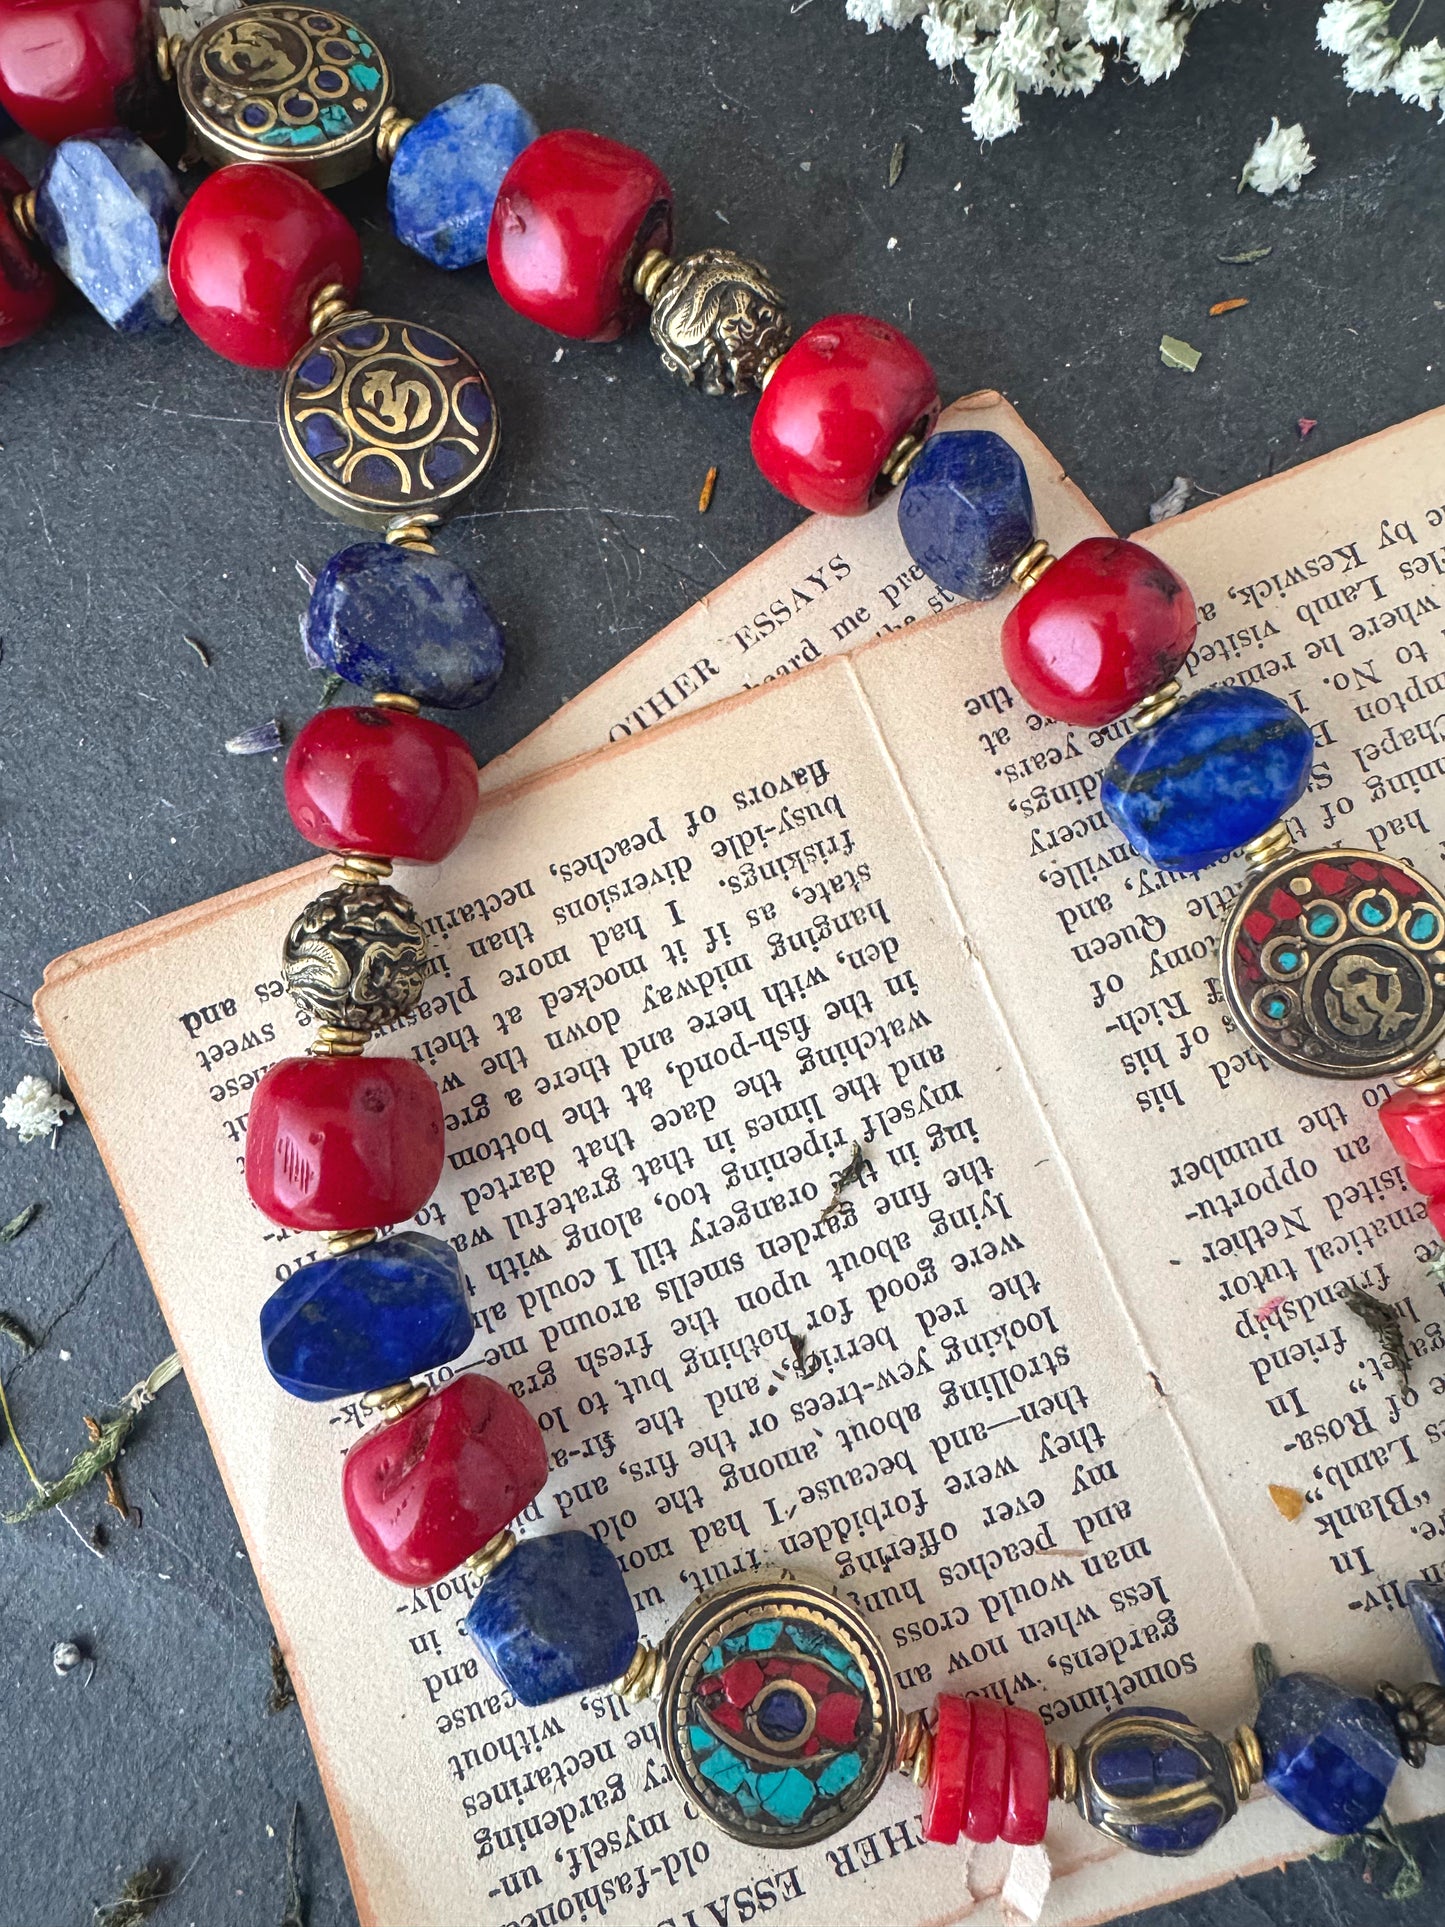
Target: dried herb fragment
1384 1321
260 740
114 1497
1287 1501
20 1222
1175 353
1173 501
329 690
99 1455
897 160
294 1915
803 1365
1383 1845
1243 260
1228 307
139 1898
11 1328
709 483
194 642
1265 1670
282 1693
851 1173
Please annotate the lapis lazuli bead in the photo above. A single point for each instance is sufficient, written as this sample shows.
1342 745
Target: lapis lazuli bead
393 618
1164 1760
371 1317
447 169
1216 772
1328 1753
966 514
555 1618
106 208
1426 1599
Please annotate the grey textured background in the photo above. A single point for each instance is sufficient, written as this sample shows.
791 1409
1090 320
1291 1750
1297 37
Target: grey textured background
142 496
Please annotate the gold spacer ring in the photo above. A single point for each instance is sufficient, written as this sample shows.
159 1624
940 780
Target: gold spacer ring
395 1401
487 1558
339 1242
328 306
901 458
332 1041
22 213
1267 849
169 49
652 270
643 1678
1032 564
351 867
413 531
1158 704
1063 1773
393 699
392 129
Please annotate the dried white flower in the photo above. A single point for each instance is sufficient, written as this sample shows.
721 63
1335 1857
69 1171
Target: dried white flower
1346 26
994 109
34 1109
1279 161
1419 78
1157 47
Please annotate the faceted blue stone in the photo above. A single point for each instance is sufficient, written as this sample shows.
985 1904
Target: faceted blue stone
1147 1752
386 617
966 514
1328 1753
1427 1608
370 1317
106 208
447 169
1224 766
555 1618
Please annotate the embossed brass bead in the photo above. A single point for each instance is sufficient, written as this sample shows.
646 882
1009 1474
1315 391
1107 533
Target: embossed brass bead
1158 704
1035 559
914 1753
340 1242
716 318
500 1546
1063 1774
394 1401
643 1678
355 958
1418 1715
391 130
1261 851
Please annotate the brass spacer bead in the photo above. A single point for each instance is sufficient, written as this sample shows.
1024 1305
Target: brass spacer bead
772 368
652 270
393 699
914 1752
328 306
1427 1077
351 867
900 459
500 1546
1035 559
1246 1762
1063 1774
1158 704
22 213
332 1041
643 1678
169 49
395 1401
392 127
1261 852
338 1242
413 532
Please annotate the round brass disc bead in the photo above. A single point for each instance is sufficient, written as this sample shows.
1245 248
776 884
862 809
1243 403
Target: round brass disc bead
355 958
716 318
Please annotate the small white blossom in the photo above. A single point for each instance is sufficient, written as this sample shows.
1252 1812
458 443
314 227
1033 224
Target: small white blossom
1368 69
994 109
34 1109
1420 76
947 42
1157 47
874 14
1280 160
1347 26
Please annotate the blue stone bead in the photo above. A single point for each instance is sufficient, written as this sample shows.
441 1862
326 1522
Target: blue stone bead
1224 766
1427 1608
370 1317
966 514
555 1618
447 169
392 618
1162 1758
106 208
1328 1753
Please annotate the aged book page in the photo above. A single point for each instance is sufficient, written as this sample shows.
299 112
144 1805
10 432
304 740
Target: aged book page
828 586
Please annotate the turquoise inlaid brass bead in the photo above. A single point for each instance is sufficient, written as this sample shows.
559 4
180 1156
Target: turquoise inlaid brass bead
778 1715
1155 1781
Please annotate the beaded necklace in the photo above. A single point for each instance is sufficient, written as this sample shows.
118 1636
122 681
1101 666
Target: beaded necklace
779 1714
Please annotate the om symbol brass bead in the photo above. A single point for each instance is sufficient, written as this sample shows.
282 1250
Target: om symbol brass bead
717 319
355 958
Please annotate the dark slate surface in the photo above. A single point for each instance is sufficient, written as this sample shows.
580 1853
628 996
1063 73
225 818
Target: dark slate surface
142 497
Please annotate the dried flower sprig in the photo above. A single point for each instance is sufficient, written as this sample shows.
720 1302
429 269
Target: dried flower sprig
98 1457
1377 61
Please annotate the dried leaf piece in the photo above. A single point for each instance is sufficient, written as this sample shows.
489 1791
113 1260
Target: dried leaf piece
1384 1321
139 1898
1228 307
20 1222
1175 353
1173 501
102 1453
1244 260
194 642
329 690
260 740
1287 1501
709 483
851 1173
897 161
294 1915
282 1693
11 1328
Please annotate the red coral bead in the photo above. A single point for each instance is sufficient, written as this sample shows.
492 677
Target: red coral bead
382 783
343 1143
252 249
1108 623
1026 1811
1428 1179
573 217
987 1772
947 1787
990 1774
77 66
836 406
1414 1122
27 286
425 1492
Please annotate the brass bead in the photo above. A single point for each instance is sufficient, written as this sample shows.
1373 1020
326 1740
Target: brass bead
22 213
1035 559
1158 704
355 959
395 1401
717 319
334 1041
1263 852
652 270
340 1242
643 1678
328 306
169 48
391 129
393 699
914 1752
351 867
1063 1774
901 459
1246 1762
413 532
1427 1077
500 1546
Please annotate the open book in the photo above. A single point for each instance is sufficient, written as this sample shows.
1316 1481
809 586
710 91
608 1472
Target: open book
1022 1393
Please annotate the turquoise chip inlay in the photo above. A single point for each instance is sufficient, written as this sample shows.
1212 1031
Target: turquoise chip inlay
764 1634
336 120
786 1795
364 77
839 1773
700 1740
714 1661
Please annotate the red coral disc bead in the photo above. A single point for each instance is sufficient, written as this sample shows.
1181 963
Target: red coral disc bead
253 248
573 217
77 66
344 1143
381 783
947 1788
1026 1811
835 407
1101 629
427 1491
1414 1122
989 1778
987 1772
27 286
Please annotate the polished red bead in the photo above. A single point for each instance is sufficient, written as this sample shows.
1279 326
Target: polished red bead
1414 1122
1428 1179
252 249
947 1787
1435 1211
573 217
343 1143
77 66
27 286
1026 1810
1108 623
836 406
381 783
427 1491
987 1772
989 1778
